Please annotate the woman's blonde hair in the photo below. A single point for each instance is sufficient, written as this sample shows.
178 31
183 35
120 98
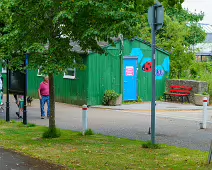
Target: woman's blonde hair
45 77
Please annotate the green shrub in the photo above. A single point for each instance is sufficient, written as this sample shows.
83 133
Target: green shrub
204 93
161 98
140 99
150 145
52 133
87 132
110 97
31 125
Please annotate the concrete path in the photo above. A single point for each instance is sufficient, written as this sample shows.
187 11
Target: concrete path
13 161
159 106
179 127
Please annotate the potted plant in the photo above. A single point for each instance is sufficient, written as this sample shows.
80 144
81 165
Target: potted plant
111 98
198 98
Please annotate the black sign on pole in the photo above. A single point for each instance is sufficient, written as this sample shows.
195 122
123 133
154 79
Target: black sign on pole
155 19
17 83
156 16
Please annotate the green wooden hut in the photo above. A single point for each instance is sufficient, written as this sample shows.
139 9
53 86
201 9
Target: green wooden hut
125 68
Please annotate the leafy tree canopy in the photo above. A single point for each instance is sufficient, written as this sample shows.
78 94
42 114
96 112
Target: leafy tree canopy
45 28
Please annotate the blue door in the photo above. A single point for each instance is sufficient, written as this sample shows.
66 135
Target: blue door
130 78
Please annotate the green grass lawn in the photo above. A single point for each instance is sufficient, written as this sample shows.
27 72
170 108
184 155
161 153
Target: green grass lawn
97 151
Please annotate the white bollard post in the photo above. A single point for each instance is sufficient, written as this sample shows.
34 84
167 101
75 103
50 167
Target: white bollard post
84 118
205 112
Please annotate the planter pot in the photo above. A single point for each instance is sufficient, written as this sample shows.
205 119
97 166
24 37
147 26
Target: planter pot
119 100
198 99
116 102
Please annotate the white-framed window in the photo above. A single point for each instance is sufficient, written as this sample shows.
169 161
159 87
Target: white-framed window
4 70
39 72
70 73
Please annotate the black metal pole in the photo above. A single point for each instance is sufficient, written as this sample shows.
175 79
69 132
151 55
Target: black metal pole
153 103
25 93
7 102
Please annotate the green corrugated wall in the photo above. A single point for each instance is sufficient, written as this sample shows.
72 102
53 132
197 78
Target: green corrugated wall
104 74
72 91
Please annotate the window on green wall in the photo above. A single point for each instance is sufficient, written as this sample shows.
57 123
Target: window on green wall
40 72
4 70
70 73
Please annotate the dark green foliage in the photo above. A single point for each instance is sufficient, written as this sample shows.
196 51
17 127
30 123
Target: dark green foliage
200 71
142 5
183 15
52 133
149 145
172 3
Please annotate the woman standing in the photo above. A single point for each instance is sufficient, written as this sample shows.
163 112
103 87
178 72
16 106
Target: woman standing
43 93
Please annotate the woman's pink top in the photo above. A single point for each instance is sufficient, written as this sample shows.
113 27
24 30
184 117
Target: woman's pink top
44 89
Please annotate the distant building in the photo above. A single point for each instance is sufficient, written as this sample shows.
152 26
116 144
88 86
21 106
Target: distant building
204 53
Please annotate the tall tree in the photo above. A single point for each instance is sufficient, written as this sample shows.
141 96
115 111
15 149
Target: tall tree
45 28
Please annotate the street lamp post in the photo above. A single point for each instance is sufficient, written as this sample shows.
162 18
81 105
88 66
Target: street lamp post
7 100
25 91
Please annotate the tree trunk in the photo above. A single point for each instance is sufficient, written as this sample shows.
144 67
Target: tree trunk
52 102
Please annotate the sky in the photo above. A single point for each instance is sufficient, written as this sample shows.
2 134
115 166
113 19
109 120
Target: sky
200 5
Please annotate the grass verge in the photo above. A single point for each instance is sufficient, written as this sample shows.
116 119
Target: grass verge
97 151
